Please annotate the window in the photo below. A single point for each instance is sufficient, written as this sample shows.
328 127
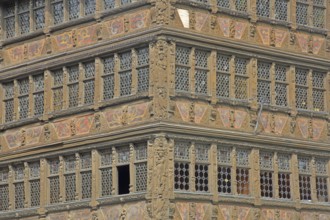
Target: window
9 19
54 181
304 10
223 75
182 69
34 181
39 14
57 89
284 188
242 172
125 75
281 10
318 90
57 11
304 178
23 98
264 82
109 4
263 8
9 101
224 170
143 69
23 17
73 9
266 174
241 5
319 13
106 172
223 3
4 189
73 86
70 178
202 168
108 78
141 169
281 85
123 170
321 180
301 88
181 166
90 7
19 186
301 12
89 85
38 94
241 78
201 72
86 175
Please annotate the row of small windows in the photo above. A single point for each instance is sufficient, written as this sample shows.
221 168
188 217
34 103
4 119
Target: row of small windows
64 172
194 74
24 16
234 172
74 85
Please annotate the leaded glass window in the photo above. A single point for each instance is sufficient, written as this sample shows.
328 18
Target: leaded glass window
125 75
109 4
182 68
38 94
263 87
224 169
4 189
106 172
90 7
73 86
70 163
9 22
321 180
54 181
57 11
19 195
86 175
39 14
223 75
281 10
181 166
108 78
304 178
242 172
8 89
23 17
143 69
318 91
241 78
263 8
201 167
302 13
123 155
70 178
201 72
301 88
23 99
58 80
281 85
73 8
141 171
89 84
124 2
34 184
223 3
318 13
266 174
241 5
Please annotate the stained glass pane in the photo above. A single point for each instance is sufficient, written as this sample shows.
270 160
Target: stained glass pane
143 56
284 188
181 78
303 165
321 166
89 87
39 18
201 81
58 99
283 162
242 180
9 110
223 3
305 188
19 172
222 85
54 166
124 2
322 189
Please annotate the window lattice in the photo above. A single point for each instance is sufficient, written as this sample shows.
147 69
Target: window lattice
318 91
109 4
141 171
181 150
266 184
224 179
182 55
242 158
281 10
54 187
35 193
182 69
264 83
9 101
39 14
242 179
141 152
125 83
304 165
3 176
9 14
263 8
23 17
58 90
89 87
318 17
240 78
123 155
202 152
86 184
4 195
70 164
74 6
283 162
305 187
201 81
19 172
90 7
284 188
223 3
125 61
223 155
86 161
23 99
318 2
322 189
34 170
19 195
266 160
223 75
181 176
38 95
73 87
280 86
301 13
106 158
241 5
201 177
321 166
70 187
124 2
58 11
54 166
108 78
106 181
143 69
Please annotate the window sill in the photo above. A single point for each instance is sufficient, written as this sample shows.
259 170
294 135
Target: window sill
235 13
310 113
24 37
312 29
118 199
274 21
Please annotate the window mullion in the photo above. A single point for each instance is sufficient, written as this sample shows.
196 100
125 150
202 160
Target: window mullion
310 90
272 84
233 156
192 61
192 178
132 153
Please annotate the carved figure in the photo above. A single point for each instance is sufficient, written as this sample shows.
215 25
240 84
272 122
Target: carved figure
73 127
192 112
292 38
310 44
253 30
232 29
293 125
46 132
23 138
272 38
97 122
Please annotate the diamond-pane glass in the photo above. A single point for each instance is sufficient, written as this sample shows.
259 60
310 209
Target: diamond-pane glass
202 177
19 195
124 2
318 2
23 86
280 73
4 195
73 72
70 187
3 175
263 89
141 152
73 95
301 97
123 155
109 4
281 10
281 94
58 78
106 157
125 61
125 83
181 78
90 7
305 187
283 162
284 188
106 181
143 79
9 110
222 85
240 87
19 172
318 100
35 193
181 176
202 152
201 81
141 170
38 82
266 160
143 56
74 6
182 55
301 76
201 58
86 161
321 166
263 8
240 66
54 188
318 80
39 18
318 17
181 150
57 99
224 179
223 63
109 85
223 3
264 70
9 90
54 166
322 189
34 170
242 179
266 184
86 185
242 158
223 155
23 107
301 13
304 165
89 87
241 5
10 27
58 12
38 100
24 23
70 164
